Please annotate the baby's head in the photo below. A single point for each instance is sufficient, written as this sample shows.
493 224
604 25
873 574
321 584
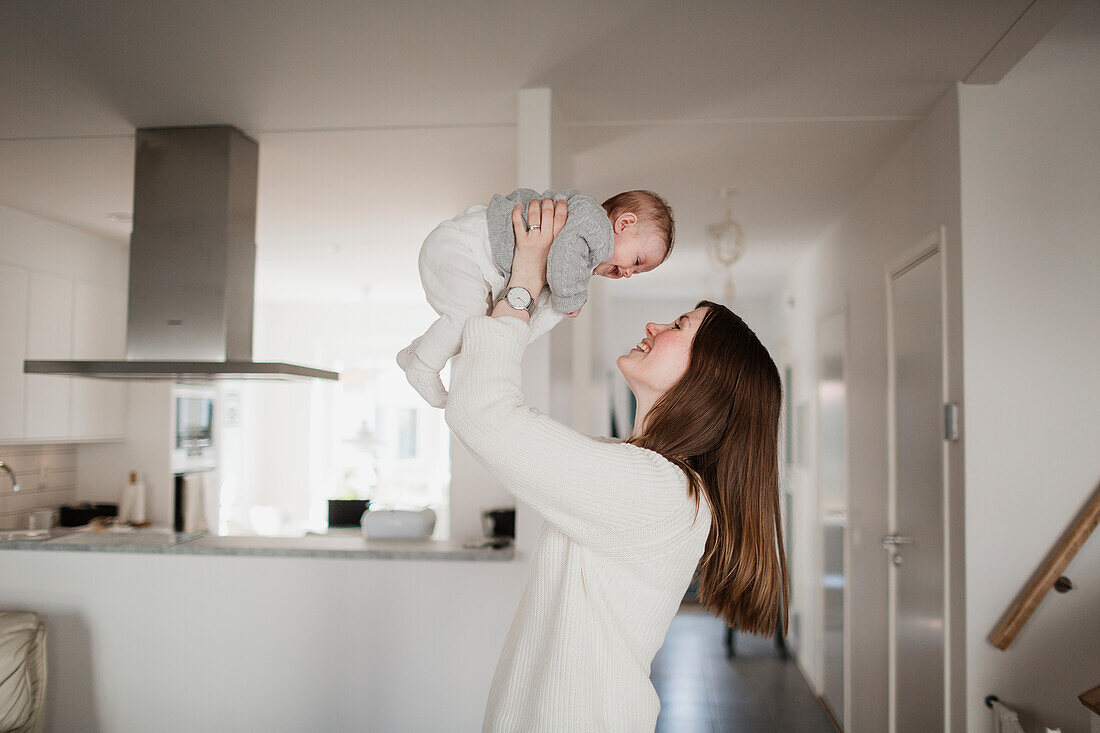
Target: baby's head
644 232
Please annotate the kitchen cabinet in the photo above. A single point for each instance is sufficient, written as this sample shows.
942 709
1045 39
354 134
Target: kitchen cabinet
48 316
49 336
14 288
99 332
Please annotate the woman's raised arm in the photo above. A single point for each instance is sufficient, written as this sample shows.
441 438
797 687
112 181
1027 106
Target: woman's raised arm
531 251
593 490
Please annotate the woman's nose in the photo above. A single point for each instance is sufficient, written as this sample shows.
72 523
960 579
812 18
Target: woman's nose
626 273
650 329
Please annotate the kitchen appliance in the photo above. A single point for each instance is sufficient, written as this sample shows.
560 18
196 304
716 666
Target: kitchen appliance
398 523
189 502
193 458
346 512
193 434
499 523
192 263
77 515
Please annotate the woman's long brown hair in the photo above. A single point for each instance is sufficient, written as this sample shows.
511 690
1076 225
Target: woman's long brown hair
720 423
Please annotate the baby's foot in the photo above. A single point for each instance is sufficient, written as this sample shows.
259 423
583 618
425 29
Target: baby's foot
406 355
425 381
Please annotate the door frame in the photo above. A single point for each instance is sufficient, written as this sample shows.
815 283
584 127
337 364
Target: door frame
839 309
934 243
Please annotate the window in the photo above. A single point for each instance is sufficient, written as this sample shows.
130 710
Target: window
391 447
295 445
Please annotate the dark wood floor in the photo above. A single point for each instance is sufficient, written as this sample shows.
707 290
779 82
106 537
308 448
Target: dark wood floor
701 690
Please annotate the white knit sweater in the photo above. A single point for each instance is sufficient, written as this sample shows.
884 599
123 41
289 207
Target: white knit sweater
614 557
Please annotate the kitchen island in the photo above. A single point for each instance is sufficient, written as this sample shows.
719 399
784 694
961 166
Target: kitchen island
276 634
342 545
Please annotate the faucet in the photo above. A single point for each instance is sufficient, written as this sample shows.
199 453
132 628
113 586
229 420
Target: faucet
18 534
14 482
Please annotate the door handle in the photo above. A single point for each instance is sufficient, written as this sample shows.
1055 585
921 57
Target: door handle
891 541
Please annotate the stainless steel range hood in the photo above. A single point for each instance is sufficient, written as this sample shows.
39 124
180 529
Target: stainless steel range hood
192 263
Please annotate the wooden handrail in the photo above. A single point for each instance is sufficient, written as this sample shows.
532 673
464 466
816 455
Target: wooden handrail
1052 567
1091 699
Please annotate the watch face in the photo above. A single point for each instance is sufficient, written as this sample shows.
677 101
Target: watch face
518 298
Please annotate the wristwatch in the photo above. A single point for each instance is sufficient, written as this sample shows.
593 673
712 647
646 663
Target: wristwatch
519 298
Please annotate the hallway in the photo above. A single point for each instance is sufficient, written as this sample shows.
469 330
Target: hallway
702 691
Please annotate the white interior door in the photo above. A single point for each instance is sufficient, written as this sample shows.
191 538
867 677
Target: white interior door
832 483
916 539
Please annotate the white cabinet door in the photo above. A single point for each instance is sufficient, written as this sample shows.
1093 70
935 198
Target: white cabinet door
13 349
99 332
49 336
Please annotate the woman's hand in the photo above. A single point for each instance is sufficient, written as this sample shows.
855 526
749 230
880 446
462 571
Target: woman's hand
547 218
533 243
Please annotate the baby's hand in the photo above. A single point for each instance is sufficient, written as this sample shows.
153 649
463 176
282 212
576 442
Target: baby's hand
574 313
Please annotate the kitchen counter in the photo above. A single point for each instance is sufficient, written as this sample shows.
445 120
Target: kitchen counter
323 546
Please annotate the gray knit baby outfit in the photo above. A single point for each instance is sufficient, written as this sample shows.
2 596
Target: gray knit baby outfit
585 241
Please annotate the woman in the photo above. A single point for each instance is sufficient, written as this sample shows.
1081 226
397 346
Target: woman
626 522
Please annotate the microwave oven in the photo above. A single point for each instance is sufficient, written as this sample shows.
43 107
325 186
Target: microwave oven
193 434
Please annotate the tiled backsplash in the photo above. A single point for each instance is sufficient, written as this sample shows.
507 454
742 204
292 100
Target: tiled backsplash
47 475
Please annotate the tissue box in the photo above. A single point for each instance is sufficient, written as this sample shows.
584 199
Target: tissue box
396 523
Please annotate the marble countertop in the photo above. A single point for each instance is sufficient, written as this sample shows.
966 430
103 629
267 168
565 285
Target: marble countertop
336 545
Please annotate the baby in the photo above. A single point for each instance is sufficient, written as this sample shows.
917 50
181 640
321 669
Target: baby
466 261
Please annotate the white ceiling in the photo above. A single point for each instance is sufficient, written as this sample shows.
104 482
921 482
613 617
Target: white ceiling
377 120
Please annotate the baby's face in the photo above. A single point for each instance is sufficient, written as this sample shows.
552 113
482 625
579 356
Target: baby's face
637 249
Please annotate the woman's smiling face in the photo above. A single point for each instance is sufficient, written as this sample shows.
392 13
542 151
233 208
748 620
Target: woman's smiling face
662 357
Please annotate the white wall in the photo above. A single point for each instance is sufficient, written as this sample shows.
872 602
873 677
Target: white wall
102 469
911 195
39 244
1031 264
147 642
800 311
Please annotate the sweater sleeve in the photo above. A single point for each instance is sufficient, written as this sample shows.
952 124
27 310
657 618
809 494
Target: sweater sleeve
567 271
585 241
593 491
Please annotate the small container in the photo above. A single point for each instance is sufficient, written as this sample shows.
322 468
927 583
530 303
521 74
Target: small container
42 519
399 523
132 507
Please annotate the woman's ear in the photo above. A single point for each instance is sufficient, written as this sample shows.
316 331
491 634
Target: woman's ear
628 219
